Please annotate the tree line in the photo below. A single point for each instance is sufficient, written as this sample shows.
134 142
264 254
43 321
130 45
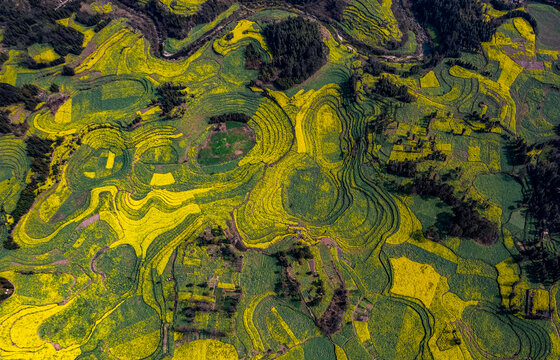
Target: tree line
39 151
236 117
544 175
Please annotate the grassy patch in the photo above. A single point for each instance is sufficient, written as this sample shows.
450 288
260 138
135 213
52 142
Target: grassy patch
226 143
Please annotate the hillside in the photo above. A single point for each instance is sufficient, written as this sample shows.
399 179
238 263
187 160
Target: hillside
292 179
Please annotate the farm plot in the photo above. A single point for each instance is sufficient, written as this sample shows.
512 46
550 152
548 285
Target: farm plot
371 22
284 235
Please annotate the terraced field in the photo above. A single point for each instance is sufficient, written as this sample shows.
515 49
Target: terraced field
253 223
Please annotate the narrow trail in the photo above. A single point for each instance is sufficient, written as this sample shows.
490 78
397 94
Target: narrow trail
93 263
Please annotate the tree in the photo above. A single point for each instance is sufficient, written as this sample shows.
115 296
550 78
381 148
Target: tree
417 235
67 71
10 244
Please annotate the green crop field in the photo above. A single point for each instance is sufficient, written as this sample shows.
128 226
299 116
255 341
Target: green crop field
296 180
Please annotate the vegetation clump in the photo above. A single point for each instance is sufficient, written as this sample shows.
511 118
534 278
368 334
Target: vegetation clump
8 127
386 88
331 320
3 57
459 24
39 151
37 24
288 285
169 96
544 203
236 117
297 52
466 221
26 94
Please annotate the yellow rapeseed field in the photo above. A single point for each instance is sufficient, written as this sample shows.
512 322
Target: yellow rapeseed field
414 280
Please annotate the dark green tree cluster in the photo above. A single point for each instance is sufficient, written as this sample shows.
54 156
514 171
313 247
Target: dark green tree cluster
216 236
505 5
484 119
26 94
300 252
544 203
39 151
173 25
541 264
3 57
221 245
37 24
381 121
30 63
96 20
288 286
86 18
466 221
518 149
67 71
5 123
376 67
406 168
236 117
316 292
6 289
459 24
297 51
386 88
227 302
169 96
